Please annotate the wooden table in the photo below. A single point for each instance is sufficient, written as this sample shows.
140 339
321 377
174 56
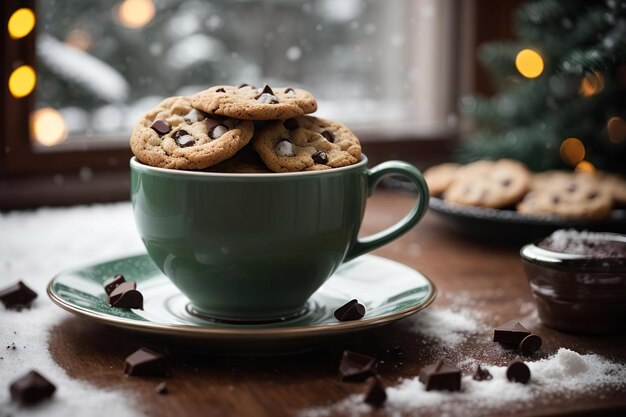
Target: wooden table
486 278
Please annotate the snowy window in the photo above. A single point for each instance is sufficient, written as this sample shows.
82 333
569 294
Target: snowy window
385 68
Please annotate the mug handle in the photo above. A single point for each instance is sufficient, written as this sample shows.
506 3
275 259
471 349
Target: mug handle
374 176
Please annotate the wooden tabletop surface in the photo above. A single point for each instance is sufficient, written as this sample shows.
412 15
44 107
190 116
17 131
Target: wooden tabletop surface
485 278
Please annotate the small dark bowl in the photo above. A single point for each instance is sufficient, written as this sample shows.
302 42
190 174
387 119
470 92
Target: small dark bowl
578 293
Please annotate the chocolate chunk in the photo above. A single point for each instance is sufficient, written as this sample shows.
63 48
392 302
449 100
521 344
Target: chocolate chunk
112 283
17 296
161 127
31 389
291 124
320 157
592 195
145 362
556 199
375 394
530 344
290 90
183 138
329 136
441 376
481 374
217 131
242 85
162 389
352 310
126 296
284 148
355 367
220 90
510 333
506 182
517 371
194 116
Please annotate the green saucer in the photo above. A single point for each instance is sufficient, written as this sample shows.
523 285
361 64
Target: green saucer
388 289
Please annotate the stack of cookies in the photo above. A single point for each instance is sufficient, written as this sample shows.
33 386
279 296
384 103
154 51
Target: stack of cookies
507 184
242 129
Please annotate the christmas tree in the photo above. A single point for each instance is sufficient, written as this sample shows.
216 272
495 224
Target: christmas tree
562 99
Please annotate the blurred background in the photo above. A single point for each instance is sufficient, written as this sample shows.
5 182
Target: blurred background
421 80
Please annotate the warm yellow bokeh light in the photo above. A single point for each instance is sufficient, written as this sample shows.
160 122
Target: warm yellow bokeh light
21 23
572 151
616 129
592 83
48 127
585 166
22 81
136 13
529 63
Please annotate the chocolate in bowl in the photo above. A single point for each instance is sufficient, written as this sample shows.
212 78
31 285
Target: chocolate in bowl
578 280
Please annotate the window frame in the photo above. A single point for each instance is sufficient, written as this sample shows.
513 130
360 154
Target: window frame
32 177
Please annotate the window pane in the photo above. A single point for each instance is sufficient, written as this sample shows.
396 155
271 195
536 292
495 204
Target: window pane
371 64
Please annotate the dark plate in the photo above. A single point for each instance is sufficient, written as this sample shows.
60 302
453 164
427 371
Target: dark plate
511 227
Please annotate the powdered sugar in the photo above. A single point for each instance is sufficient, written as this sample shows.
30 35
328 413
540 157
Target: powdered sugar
34 246
598 245
564 374
447 326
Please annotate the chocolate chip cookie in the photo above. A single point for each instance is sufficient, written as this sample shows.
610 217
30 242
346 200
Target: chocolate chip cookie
249 103
489 184
439 177
306 143
176 135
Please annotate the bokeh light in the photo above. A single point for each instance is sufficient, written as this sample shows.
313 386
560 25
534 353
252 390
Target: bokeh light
616 129
592 83
136 13
21 23
48 127
79 39
22 81
585 166
572 151
529 63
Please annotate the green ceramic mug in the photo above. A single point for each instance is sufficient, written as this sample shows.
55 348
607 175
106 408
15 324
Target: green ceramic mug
257 246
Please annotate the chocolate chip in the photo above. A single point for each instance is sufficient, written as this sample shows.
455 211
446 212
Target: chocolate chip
162 389
145 362
530 344
17 296
242 85
320 157
284 148
352 310
290 90
571 187
481 374
220 90
217 131
441 376
183 138
266 98
31 389
592 195
194 116
329 136
126 296
510 333
112 283
517 371
506 182
355 367
556 199
267 90
161 127
291 124
375 394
